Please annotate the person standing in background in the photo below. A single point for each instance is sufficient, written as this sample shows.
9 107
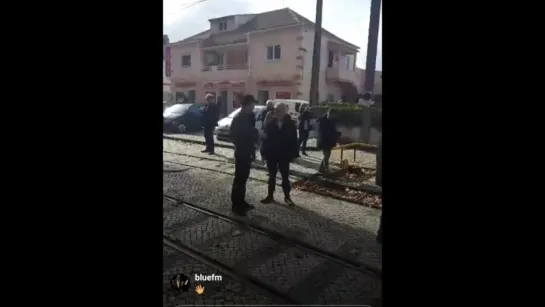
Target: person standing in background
244 136
328 137
210 119
280 149
304 128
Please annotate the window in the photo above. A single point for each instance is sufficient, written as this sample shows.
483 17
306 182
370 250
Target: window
194 109
219 59
223 25
191 95
273 52
347 62
186 60
330 56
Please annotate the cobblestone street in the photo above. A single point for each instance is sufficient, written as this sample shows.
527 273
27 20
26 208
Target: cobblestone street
335 226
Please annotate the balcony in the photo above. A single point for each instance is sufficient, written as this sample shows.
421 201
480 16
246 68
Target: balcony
342 74
230 72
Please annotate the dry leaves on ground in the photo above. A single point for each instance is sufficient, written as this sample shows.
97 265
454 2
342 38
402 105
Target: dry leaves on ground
351 195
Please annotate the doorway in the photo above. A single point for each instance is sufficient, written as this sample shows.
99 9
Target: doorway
262 97
222 103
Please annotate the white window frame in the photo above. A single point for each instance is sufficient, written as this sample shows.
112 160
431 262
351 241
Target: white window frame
182 60
273 52
223 25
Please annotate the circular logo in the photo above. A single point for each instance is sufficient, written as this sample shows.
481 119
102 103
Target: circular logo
180 283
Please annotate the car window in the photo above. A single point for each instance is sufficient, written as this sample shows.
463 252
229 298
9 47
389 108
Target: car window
177 109
235 112
195 110
297 106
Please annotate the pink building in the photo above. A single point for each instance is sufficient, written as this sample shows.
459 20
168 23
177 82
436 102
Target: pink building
268 55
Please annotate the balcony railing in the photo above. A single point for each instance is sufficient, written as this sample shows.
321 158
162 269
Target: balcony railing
225 67
215 43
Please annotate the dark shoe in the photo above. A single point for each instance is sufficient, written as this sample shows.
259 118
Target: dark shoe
239 211
205 150
304 153
242 208
248 206
289 202
267 200
211 153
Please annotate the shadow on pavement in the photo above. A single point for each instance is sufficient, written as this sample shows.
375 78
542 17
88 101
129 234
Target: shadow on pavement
312 164
358 245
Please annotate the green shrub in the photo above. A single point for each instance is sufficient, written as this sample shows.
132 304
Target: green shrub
349 114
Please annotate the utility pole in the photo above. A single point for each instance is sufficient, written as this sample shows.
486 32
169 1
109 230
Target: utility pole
370 65
313 95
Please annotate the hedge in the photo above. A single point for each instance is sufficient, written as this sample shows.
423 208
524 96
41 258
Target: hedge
349 114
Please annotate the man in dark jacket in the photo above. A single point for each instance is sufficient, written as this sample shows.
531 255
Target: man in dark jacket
304 128
210 119
280 146
327 138
379 183
244 136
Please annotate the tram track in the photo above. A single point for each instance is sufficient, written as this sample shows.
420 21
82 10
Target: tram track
295 176
280 237
226 270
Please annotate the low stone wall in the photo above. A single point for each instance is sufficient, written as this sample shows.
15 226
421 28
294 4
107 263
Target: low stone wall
354 134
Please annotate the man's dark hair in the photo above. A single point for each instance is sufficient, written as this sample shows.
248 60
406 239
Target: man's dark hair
247 100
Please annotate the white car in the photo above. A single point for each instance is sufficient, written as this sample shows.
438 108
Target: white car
223 131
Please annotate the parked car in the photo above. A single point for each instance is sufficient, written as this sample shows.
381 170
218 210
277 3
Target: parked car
223 129
183 117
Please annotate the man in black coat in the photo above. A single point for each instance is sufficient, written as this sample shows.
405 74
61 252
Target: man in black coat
210 119
244 136
304 128
280 147
327 138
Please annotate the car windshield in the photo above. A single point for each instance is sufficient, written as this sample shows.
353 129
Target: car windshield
177 109
235 112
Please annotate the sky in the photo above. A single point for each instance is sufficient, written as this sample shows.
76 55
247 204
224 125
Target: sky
348 19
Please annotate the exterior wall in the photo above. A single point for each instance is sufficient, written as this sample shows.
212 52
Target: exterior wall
185 73
308 44
284 68
378 81
290 74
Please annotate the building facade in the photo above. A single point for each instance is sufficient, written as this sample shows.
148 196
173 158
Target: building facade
167 85
268 55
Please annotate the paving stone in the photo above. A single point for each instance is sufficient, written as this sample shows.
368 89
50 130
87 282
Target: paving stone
225 292
327 223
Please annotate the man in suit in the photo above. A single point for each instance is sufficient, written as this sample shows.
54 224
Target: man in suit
280 148
327 138
304 128
210 119
244 136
